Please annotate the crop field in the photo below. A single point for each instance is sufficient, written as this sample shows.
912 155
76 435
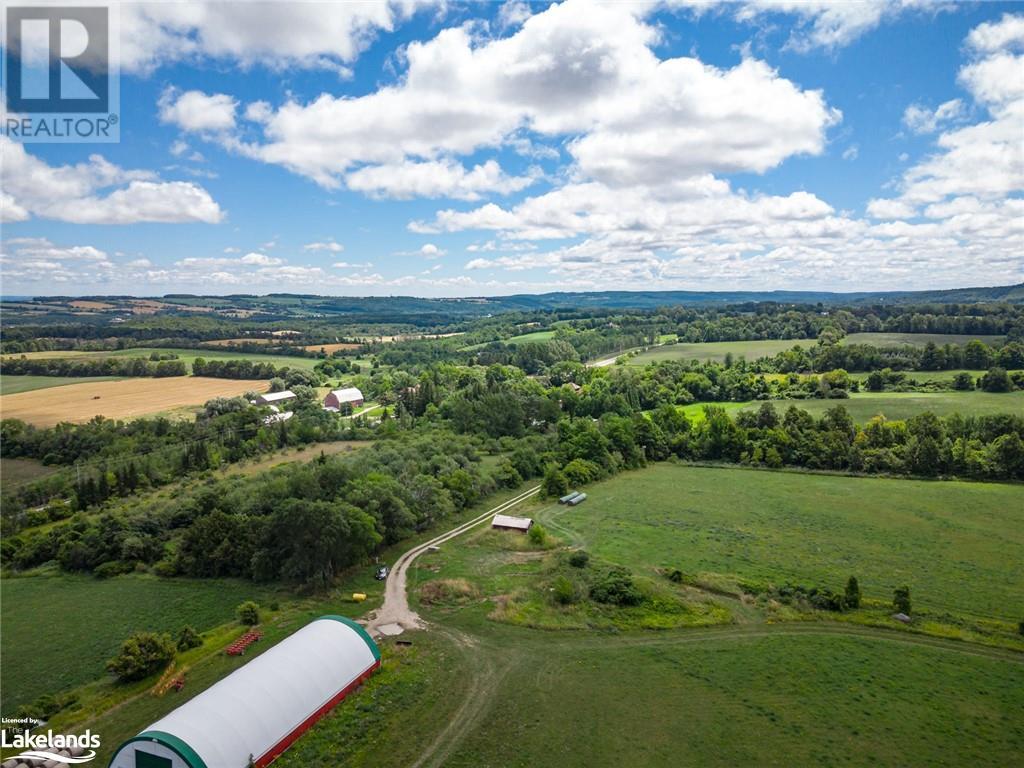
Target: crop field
863 406
124 399
60 630
959 545
918 339
186 355
330 349
717 350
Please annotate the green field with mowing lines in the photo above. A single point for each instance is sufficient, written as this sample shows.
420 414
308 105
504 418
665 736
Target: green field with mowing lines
918 339
771 700
960 546
58 631
186 355
10 385
863 406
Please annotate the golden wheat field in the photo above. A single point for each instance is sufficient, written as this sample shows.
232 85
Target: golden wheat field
125 399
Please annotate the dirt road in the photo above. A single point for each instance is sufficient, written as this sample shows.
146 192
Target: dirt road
395 611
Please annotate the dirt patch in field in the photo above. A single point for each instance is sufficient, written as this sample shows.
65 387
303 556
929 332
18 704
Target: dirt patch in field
235 342
125 399
83 304
330 349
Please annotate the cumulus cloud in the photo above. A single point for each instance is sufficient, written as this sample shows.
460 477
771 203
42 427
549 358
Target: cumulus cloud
261 260
96 192
920 119
329 246
279 35
578 70
438 178
197 111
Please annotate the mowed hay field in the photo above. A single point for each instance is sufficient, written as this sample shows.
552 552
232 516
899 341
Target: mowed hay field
185 355
717 350
918 339
125 399
960 546
10 385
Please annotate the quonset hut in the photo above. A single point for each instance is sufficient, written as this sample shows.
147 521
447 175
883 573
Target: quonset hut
260 709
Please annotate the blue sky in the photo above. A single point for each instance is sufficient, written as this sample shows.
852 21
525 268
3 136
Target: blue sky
486 148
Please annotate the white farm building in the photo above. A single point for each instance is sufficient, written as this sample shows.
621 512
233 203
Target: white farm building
275 398
260 709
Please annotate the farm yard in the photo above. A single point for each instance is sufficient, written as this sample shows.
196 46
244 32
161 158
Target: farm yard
122 399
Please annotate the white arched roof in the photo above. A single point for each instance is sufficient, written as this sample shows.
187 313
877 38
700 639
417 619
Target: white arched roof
261 707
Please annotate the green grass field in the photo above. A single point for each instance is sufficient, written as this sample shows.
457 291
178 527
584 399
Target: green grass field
14 472
187 355
960 546
58 631
918 339
717 350
894 405
10 385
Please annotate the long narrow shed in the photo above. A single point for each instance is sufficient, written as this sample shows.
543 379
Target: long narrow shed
260 709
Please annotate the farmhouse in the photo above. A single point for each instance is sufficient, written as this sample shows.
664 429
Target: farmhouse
263 707
274 398
509 523
339 397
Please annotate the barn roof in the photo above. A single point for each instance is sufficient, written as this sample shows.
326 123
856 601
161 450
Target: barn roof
259 708
274 397
508 521
347 394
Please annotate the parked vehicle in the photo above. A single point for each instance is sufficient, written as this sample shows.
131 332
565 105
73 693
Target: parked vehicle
382 573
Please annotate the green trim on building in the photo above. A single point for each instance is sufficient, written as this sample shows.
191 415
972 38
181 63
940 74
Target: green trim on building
358 628
172 742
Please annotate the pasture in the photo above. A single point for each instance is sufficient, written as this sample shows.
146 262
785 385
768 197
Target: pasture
959 545
60 630
717 350
14 472
186 355
864 406
121 399
918 339
11 385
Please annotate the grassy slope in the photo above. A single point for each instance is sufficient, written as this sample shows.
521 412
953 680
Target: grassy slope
960 546
52 641
15 472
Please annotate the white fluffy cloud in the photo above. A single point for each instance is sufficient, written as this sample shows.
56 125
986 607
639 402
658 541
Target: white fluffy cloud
197 111
329 245
96 192
276 34
921 119
432 179
577 70
984 160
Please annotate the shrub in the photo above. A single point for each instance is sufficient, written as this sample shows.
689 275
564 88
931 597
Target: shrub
615 586
447 591
249 613
189 638
141 655
538 535
113 568
563 591
675 576
901 599
554 483
852 593
579 559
